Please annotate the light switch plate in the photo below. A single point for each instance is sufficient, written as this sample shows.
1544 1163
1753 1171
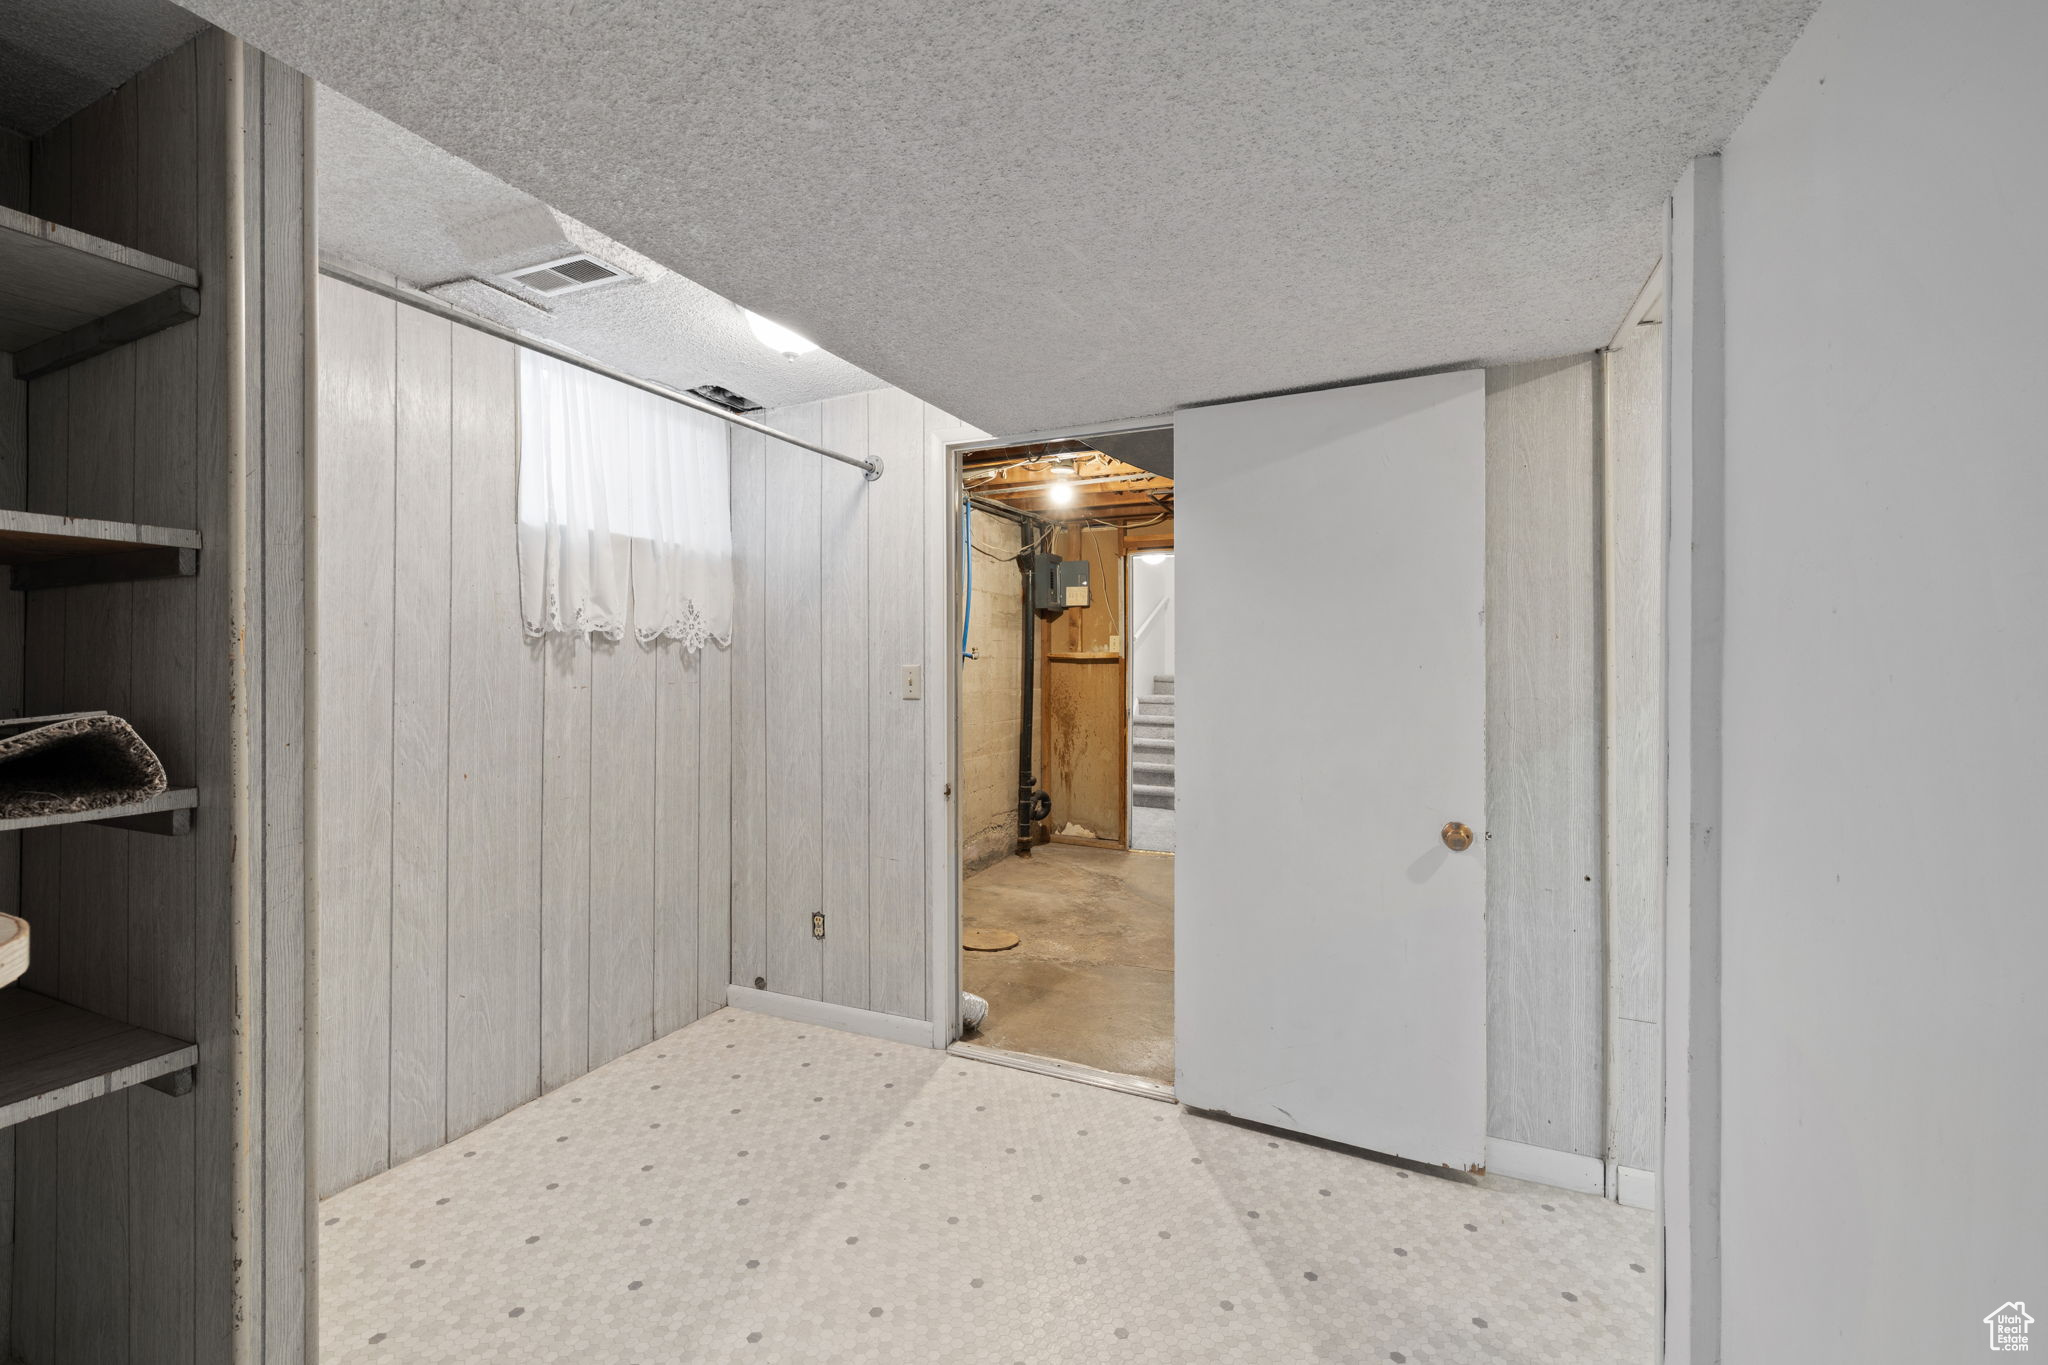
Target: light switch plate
913 682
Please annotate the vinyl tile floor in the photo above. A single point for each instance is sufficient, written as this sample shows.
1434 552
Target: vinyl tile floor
750 1189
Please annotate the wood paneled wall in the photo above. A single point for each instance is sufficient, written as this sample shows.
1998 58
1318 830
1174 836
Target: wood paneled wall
830 792
14 193
1633 487
150 1227
522 847
1082 726
1546 981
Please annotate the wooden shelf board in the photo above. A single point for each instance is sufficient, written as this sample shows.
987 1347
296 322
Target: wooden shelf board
54 1055
36 537
65 552
176 799
55 279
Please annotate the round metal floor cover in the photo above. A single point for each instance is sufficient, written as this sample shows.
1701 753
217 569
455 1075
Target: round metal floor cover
988 940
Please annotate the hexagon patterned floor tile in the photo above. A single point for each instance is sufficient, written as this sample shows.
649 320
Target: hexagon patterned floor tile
755 1190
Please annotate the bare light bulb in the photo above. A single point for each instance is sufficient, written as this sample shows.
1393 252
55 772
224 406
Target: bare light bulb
776 337
1060 494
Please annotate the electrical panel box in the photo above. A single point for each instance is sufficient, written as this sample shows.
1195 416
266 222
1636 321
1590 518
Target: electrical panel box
1057 584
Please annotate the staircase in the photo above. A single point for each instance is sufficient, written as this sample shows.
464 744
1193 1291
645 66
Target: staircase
1152 747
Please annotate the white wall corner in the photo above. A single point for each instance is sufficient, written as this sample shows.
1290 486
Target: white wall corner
892 1028
1546 1166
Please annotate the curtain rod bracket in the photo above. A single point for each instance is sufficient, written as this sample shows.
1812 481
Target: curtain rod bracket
874 468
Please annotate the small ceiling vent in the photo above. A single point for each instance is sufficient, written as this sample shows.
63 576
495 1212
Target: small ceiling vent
725 398
566 275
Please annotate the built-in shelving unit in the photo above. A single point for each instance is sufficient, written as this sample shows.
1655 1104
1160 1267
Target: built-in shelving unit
54 1055
66 296
64 552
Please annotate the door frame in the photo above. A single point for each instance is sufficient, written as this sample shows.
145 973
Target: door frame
944 570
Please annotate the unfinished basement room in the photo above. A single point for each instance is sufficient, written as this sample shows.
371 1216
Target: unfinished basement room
1055 684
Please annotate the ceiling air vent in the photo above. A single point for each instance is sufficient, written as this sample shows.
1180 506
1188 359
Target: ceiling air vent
567 275
726 398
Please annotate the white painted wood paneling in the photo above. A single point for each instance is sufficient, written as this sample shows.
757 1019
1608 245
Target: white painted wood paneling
565 869
830 785
1546 983
675 830
417 623
353 576
794 634
714 828
494 760
899 599
845 590
1633 494
521 951
623 741
749 710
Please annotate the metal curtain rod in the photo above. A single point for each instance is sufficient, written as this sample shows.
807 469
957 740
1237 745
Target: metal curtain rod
426 303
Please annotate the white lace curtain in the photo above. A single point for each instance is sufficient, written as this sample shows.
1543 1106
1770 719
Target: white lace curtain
624 516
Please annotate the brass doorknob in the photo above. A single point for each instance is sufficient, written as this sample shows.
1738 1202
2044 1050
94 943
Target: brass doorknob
1457 837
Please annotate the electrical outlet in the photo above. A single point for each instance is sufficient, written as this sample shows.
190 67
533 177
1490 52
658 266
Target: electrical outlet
913 682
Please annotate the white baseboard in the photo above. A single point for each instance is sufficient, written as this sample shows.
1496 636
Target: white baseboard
1565 1170
873 1023
1634 1187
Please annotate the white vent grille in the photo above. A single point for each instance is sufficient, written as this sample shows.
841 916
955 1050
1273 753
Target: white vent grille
566 276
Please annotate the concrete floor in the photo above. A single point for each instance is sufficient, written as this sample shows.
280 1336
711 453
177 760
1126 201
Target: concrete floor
1091 979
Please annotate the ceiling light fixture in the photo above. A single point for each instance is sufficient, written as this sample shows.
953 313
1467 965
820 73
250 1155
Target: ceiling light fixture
776 337
1156 557
1060 492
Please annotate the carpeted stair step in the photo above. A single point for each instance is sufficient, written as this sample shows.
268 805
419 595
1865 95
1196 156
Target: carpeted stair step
1152 774
1152 727
1152 796
1148 744
1162 685
1155 706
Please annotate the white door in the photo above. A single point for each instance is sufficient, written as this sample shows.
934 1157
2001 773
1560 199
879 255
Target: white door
1330 948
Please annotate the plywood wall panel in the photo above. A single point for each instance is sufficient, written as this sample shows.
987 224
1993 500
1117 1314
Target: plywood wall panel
675 830
817 549
845 592
418 623
523 954
794 635
622 834
1546 985
494 761
714 828
898 532
354 583
565 869
749 710
1633 484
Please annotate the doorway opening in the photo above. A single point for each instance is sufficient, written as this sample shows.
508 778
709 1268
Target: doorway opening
1066 749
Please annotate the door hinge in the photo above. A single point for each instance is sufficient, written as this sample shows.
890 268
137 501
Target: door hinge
818 925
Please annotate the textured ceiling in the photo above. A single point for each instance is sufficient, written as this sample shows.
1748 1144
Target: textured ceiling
1042 214
393 202
57 56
